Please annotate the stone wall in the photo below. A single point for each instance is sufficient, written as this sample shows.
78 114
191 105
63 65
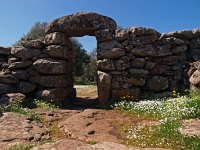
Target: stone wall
40 69
136 61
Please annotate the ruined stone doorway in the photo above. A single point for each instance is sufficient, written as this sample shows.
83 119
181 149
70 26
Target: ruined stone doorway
86 70
91 24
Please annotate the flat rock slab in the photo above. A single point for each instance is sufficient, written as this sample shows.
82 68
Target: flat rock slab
78 145
98 125
191 127
19 129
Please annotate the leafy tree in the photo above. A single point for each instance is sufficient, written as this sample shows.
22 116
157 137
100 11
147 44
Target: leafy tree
82 58
91 69
37 31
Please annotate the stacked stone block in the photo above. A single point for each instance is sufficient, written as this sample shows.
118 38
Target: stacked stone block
136 61
39 69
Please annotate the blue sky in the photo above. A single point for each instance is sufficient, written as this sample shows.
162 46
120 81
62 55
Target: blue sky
17 16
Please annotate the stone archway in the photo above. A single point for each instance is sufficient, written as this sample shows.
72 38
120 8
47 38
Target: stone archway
92 24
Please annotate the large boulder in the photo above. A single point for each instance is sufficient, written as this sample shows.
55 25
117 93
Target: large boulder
158 83
57 51
6 88
105 65
11 98
24 53
26 87
50 66
5 50
104 81
37 44
7 78
55 38
51 81
20 64
79 24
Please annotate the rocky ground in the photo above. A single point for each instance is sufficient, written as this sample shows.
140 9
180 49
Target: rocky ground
78 127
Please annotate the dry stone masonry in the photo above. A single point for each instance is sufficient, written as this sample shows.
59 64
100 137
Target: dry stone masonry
136 61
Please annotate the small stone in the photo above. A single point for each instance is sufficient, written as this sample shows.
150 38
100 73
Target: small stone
179 49
51 81
7 78
11 98
55 38
24 53
57 51
144 50
20 65
26 87
35 44
105 65
139 72
138 62
104 81
5 50
104 35
6 88
195 78
158 83
50 66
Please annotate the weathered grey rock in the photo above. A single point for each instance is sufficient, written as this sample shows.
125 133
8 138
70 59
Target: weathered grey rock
79 24
55 38
18 129
144 50
20 65
143 39
149 65
104 35
50 66
124 92
175 41
179 49
51 81
121 35
55 93
158 83
139 72
138 62
143 31
105 65
20 74
138 82
195 78
13 59
11 98
35 44
6 88
24 53
110 50
122 64
5 50
104 81
185 34
57 51
26 87
164 94
7 78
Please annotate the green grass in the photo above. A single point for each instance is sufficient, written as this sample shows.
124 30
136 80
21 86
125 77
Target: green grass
21 147
17 108
44 104
170 113
92 142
